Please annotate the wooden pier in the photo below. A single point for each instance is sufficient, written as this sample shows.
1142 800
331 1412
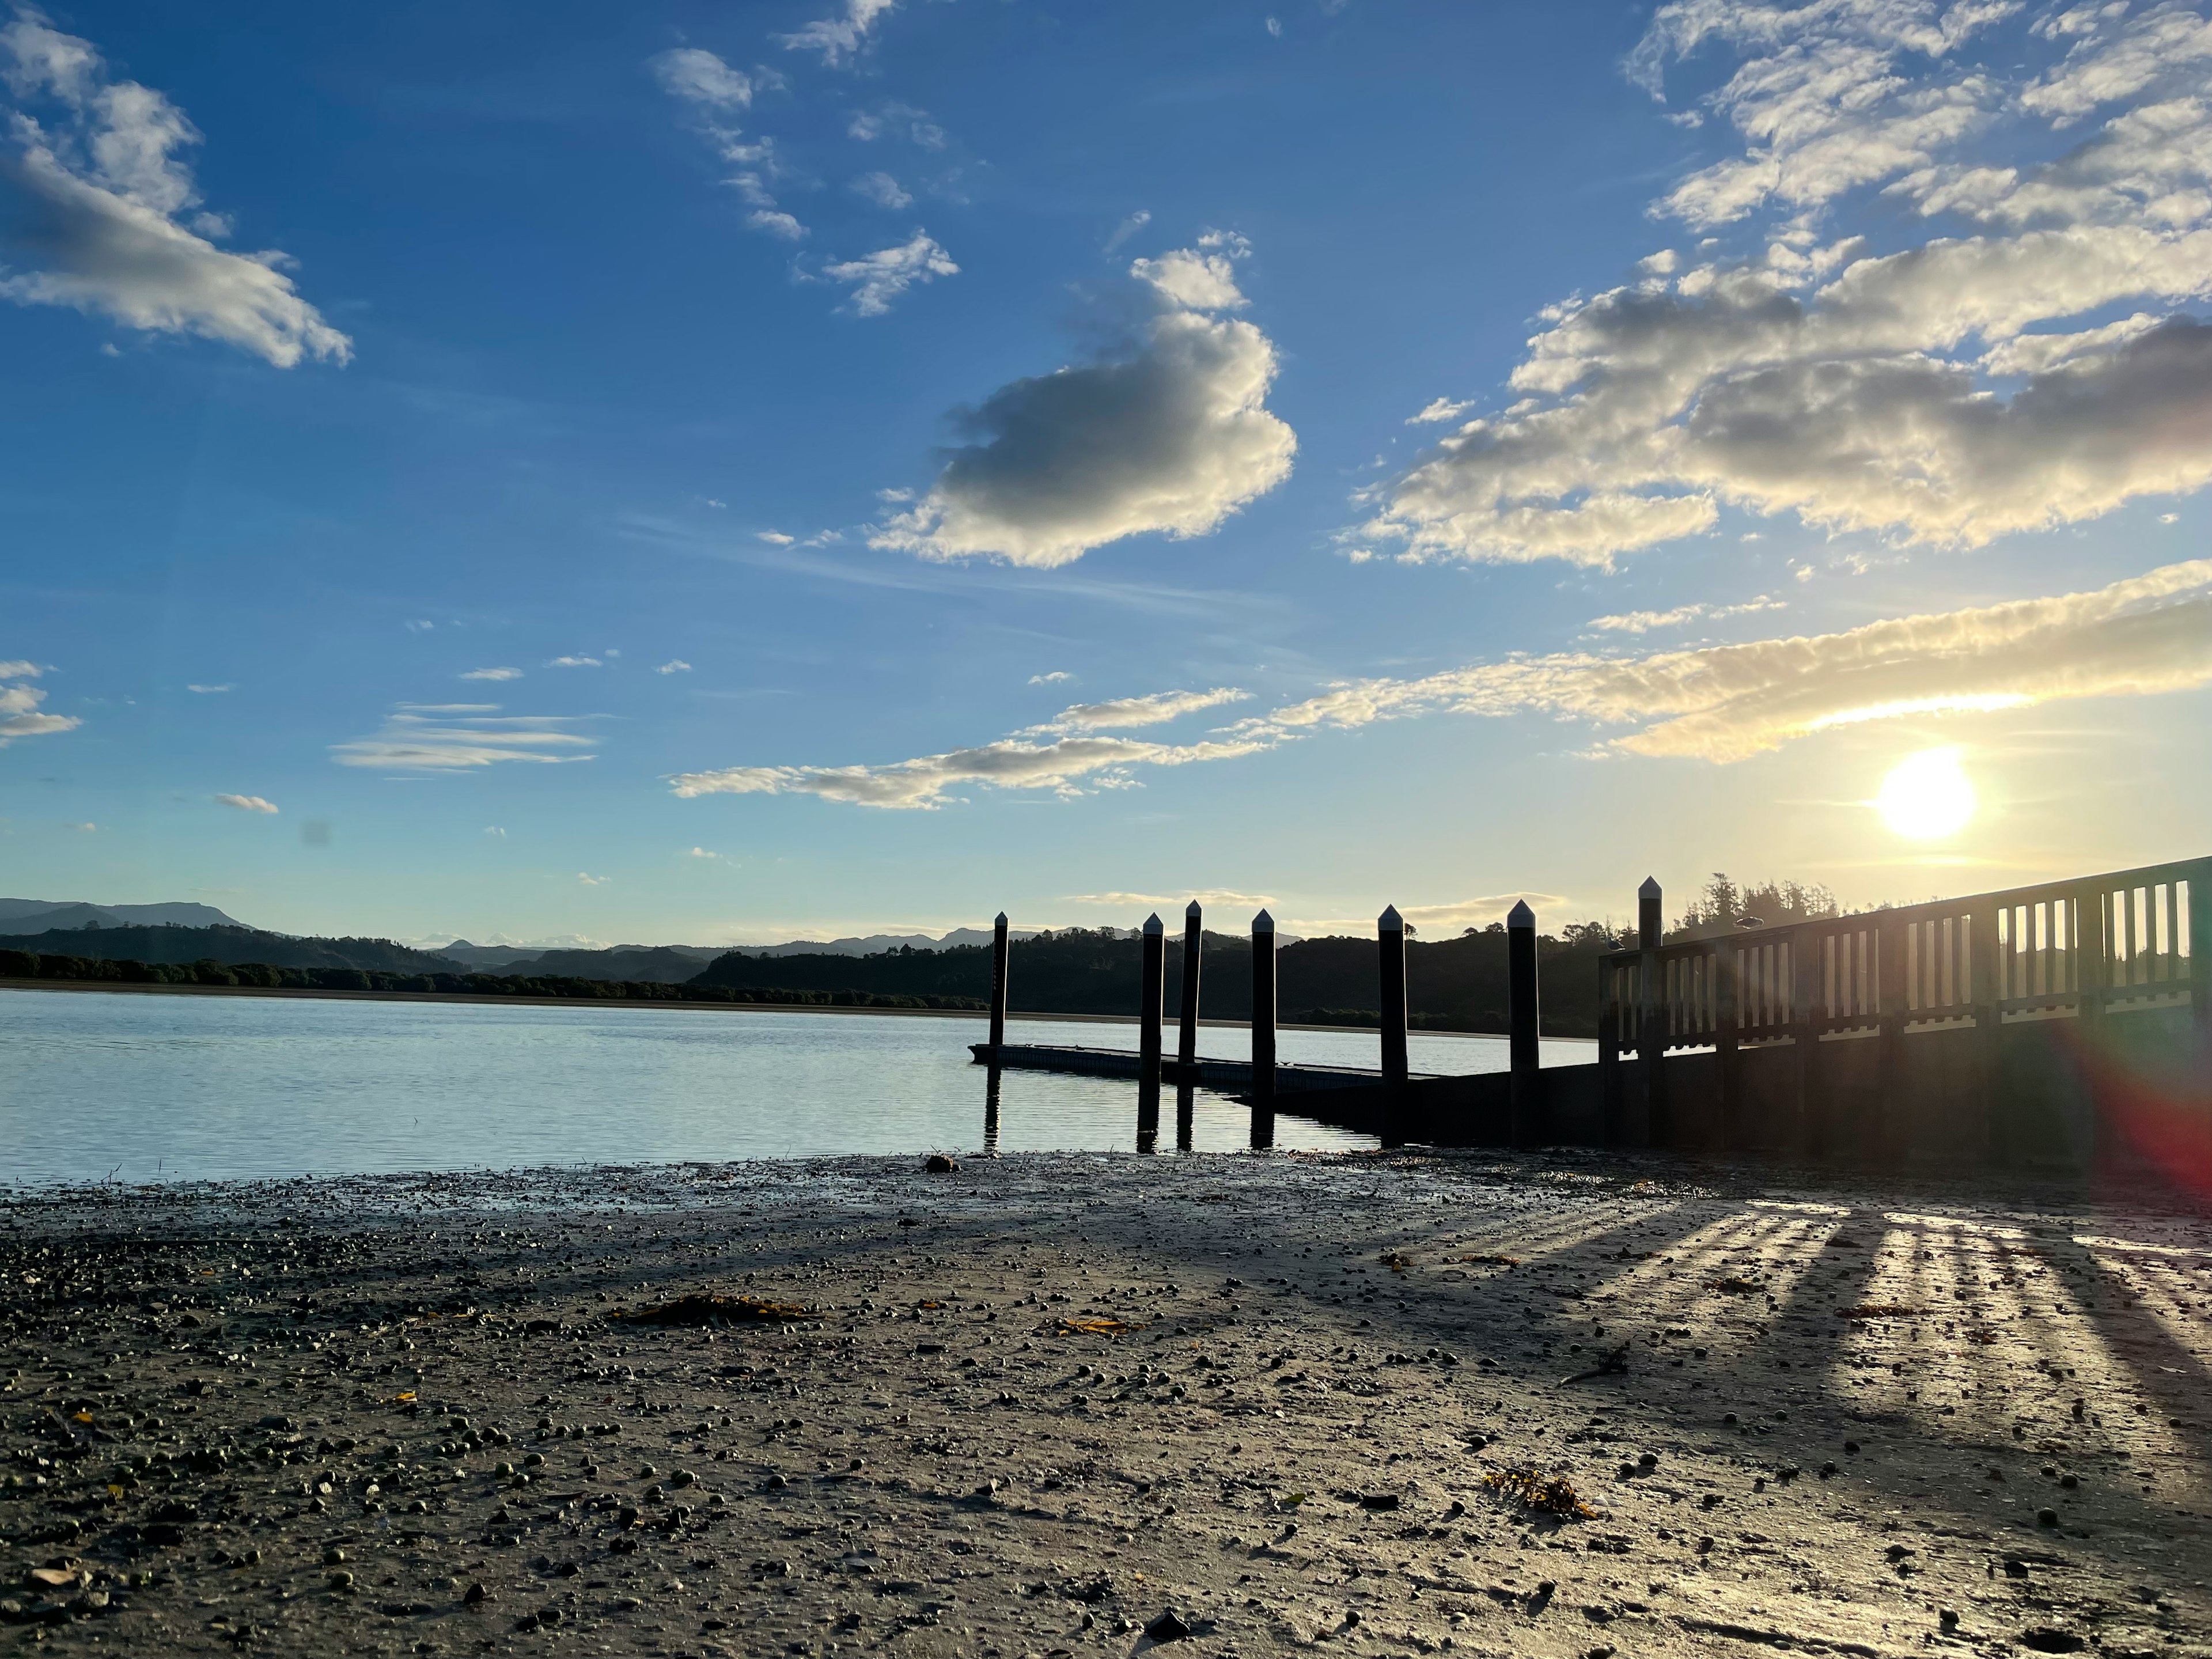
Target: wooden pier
1228 1077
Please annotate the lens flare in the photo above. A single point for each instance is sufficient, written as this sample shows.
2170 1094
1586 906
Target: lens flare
1927 796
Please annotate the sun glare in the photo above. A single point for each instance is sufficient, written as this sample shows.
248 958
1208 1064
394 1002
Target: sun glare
1927 796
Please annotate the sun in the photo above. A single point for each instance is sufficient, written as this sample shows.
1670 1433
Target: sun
1927 796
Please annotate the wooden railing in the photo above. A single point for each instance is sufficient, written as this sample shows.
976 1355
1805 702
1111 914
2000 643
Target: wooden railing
2082 949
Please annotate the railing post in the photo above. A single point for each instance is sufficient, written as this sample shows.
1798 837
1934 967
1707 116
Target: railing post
1982 992
1806 967
1727 1054
2200 996
1194 942
1651 1035
1889 1017
1390 942
1609 1053
1263 1030
1522 1027
1148 1035
2092 960
997 985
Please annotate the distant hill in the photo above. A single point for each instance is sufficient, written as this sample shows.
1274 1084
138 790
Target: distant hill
655 965
15 913
874 944
228 946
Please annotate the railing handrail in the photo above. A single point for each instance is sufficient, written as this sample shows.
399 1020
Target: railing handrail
2043 892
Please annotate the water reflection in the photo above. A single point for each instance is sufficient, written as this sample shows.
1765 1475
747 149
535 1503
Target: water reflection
1186 1112
991 1112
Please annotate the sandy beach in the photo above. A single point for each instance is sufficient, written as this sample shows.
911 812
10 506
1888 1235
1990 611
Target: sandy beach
1540 1406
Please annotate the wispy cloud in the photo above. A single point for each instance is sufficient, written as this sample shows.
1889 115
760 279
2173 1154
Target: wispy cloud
698 77
883 190
838 38
1169 432
1441 920
19 705
493 674
459 736
674 665
573 662
1053 678
880 277
1210 895
593 881
1155 709
210 690
1645 621
116 226
247 803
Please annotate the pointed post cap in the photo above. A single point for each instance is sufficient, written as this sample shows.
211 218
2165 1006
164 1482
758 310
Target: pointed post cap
1390 921
1153 925
1193 910
1521 915
1000 921
1263 923
1650 888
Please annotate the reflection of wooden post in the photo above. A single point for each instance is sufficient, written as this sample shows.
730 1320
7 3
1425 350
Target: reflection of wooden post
1651 1035
1889 1021
997 984
1983 1137
1390 942
1148 1035
991 1112
1521 1027
1263 1024
1194 941
1608 1054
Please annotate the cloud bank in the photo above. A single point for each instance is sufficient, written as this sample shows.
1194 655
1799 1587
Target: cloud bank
1966 386
103 212
1169 434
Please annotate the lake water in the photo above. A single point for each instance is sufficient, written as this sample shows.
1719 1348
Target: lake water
138 1088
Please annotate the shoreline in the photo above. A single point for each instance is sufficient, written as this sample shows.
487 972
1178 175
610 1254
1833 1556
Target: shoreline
106 987
1031 1405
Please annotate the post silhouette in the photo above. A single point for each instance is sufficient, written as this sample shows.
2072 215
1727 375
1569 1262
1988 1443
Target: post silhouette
997 984
1148 1037
1522 1027
1263 1027
1651 1033
991 1111
1194 943
1391 941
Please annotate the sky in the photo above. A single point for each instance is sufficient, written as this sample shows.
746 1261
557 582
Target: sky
725 473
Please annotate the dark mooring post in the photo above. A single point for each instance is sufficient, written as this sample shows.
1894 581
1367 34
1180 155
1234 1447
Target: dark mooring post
1263 1030
1390 939
1521 1027
1651 1033
1148 1036
997 985
1194 942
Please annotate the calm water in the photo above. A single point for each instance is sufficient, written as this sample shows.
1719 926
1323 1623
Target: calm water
146 1088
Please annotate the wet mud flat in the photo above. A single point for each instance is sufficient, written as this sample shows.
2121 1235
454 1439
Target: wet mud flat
1061 1404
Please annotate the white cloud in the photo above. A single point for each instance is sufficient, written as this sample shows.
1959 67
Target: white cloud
1441 920
1128 227
674 665
593 881
1210 895
774 538
700 853
838 38
1053 678
880 277
2143 636
247 803
493 674
1438 409
883 190
19 705
1644 621
699 76
419 625
495 831
1155 709
775 222
1812 376
210 690
459 736
102 197
1009 763
1169 434
573 662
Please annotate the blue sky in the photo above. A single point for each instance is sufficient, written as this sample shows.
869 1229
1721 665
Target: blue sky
714 474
